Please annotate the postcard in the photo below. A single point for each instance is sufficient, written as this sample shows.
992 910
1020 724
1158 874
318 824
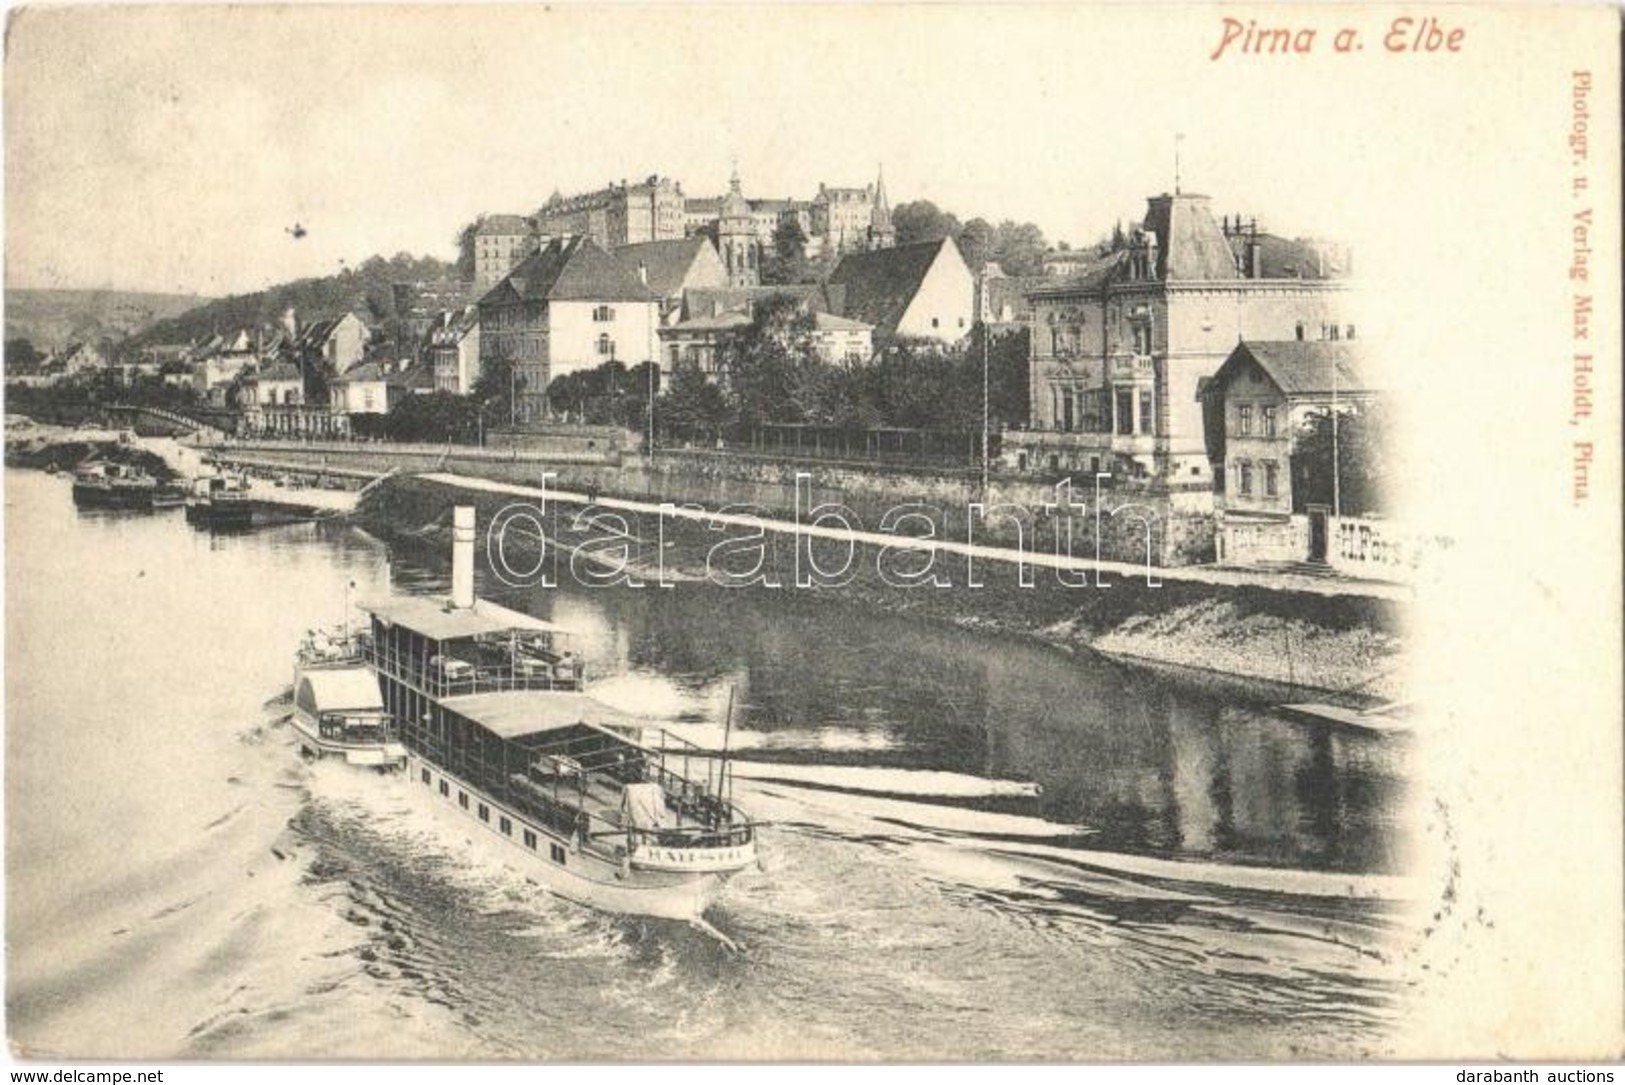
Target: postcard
801 533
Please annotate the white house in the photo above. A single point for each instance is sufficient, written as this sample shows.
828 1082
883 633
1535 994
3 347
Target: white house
920 291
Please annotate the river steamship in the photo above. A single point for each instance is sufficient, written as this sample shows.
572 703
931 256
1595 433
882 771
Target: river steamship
491 707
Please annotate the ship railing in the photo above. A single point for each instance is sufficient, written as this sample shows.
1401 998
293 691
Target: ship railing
450 680
592 765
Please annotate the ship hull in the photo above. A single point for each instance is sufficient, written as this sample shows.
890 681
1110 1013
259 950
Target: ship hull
111 497
556 862
220 515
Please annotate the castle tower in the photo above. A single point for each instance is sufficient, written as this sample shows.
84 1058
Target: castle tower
736 237
881 233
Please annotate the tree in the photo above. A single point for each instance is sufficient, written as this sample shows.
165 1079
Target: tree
1008 375
788 264
1365 469
435 418
21 356
1019 248
922 220
465 251
692 405
498 385
763 362
977 243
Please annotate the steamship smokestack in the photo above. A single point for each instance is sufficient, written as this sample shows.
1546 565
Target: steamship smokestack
462 557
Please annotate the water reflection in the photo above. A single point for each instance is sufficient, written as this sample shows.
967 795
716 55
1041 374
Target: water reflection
1143 762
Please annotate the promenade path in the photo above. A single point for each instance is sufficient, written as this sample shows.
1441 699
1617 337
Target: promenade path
1287 581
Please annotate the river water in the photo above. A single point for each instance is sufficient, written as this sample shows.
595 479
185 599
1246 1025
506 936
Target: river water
979 849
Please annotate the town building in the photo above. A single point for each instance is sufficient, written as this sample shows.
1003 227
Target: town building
737 241
1001 300
569 307
375 387
500 242
454 350
1118 351
919 291
1256 408
841 217
279 384
617 214
79 357
670 269
334 342
713 319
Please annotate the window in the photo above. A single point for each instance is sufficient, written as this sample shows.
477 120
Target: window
506 826
444 789
1142 337
530 839
1145 410
603 313
1270 478
556 853
1125 412
1334 333
1300 331
1348 333
485 812
1269 421
606 346
425 776
1244 478
462 799
1244 421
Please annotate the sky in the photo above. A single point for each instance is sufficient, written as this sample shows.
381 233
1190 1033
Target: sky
173 148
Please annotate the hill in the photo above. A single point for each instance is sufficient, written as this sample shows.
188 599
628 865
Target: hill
367 290
54 318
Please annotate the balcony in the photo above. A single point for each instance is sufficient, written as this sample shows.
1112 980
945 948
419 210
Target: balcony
1130 367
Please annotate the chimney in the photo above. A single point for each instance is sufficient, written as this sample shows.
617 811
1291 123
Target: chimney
290 323
643 273
462 557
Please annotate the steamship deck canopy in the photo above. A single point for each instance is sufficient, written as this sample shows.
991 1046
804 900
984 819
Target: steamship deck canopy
435 618
518 713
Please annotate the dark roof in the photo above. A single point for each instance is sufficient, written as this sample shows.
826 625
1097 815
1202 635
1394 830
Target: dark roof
708 301
1301 367
1189 242
880 285
366 371
667 262
1284 258
573 270
281 371
503 226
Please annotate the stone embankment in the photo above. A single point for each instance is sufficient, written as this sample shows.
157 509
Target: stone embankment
1344 639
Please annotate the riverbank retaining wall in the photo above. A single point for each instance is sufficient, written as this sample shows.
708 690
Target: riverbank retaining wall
1132 522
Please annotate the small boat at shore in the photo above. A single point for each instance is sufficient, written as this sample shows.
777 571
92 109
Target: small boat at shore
106 484
219 501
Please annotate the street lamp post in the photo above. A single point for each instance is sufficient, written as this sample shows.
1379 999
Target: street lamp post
1337 481
985 407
